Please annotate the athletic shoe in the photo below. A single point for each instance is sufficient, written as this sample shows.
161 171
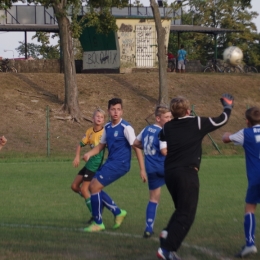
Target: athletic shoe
90 220
147 234
119 219
94 227
167 256
247 250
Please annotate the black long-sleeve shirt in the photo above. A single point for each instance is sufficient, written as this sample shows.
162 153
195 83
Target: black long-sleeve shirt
184 137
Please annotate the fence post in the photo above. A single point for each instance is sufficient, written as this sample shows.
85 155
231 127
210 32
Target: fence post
48 130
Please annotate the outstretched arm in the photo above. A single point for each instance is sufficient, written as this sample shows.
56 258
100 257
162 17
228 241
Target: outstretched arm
225 137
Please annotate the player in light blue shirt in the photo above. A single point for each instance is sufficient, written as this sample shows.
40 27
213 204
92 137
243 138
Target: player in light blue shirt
119 137
154 154
182 56
249 138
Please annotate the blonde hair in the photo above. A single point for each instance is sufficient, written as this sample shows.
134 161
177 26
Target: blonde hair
100 111
161 110
179 106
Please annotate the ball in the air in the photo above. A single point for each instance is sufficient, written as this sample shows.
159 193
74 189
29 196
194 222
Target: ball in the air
233 55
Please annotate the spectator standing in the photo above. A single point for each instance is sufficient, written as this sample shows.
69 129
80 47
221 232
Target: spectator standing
182 56
172 61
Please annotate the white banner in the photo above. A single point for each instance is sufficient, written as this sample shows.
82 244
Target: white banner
101 60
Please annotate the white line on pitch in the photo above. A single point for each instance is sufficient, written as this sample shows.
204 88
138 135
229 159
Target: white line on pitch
199 248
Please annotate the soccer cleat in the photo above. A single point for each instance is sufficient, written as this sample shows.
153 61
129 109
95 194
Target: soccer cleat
167 255
247 250
90 221
94 227
147 234
119 219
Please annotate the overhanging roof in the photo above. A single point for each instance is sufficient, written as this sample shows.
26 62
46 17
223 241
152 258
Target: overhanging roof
201 29
29 28
55 28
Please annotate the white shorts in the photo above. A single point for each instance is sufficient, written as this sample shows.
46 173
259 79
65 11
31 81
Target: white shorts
181 64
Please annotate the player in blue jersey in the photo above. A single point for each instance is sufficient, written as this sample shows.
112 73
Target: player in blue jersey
154 154
249 138
119 137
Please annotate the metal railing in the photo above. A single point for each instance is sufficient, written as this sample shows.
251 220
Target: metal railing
36 14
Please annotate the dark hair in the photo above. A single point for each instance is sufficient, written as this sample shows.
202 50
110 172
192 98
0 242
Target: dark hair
115 101
253 115
182 46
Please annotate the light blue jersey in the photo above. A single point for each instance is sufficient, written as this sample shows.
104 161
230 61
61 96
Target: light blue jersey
249 138
182 54
154 160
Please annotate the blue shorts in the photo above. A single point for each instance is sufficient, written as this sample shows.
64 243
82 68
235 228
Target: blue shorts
106 175
253 194
155 180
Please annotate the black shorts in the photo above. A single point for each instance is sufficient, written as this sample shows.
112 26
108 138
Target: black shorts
87 174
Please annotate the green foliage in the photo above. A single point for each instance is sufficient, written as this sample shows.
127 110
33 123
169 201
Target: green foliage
46 50
107 3
136 3
103 21
5 4
40 51
228 14
33 50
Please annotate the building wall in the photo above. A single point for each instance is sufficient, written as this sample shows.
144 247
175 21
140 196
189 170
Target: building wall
138 42
36 66
53 66
133 45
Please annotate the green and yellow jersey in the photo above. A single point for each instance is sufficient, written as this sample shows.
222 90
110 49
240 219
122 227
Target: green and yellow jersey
93 138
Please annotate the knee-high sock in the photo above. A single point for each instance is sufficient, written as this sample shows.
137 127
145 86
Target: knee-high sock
110 204
96 201
249 228
88 204
150 215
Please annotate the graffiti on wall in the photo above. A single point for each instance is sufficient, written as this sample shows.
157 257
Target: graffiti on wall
101 60
144 45
127 40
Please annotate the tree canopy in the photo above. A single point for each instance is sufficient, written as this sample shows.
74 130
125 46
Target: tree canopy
228 14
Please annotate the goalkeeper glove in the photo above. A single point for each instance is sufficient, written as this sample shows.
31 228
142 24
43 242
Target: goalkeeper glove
227 101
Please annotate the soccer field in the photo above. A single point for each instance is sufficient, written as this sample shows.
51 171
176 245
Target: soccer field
41 218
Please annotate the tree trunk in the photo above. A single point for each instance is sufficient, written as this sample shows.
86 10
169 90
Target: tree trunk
71 104
161 32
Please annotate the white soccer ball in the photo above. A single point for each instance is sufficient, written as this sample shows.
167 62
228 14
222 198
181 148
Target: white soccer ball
233 55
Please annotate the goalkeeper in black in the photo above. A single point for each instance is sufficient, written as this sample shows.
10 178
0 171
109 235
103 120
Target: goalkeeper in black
184 135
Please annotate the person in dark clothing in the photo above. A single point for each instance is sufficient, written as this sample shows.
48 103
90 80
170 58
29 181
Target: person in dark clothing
184 135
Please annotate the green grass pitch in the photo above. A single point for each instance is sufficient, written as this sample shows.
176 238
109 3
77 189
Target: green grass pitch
41 218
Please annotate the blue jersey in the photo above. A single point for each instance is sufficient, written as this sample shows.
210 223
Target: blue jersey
119 139
154 160
250 139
